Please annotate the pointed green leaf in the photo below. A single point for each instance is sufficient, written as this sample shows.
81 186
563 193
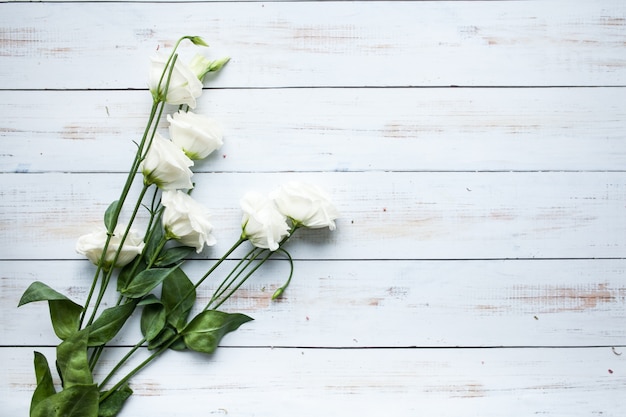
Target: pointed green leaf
38 291
110 323
125 274
205 331
155 238
64 313
146 281
75 401
113 404
173 255
178 295
72 360
45 386
153 320
165 336
110 216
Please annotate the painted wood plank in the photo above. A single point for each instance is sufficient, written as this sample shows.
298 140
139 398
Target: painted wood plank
363 382
332 129
358 304
287 44
384 215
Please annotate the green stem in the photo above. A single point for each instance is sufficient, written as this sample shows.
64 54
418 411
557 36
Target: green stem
261 262
121 363
138 368
108 275
235 274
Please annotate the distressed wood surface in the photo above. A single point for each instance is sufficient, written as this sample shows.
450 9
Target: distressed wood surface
294 44
452 129
478 267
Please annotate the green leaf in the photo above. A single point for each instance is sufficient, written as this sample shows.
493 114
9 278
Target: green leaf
110 217
155 238
146 281
125 274
205 331
173 255
110 323
45 386
72 360
178 295
113 404
75 401
165 336
64 313
153 320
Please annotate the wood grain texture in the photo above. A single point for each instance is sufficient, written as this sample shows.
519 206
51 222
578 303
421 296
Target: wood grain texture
377 129
356 304
285 44
367 382
478 268
384 215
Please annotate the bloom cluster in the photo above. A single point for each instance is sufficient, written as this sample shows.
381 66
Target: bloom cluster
141 264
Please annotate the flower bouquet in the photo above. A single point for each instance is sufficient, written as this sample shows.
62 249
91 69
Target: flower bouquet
147 267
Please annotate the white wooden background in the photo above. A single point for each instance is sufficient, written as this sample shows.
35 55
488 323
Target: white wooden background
476 151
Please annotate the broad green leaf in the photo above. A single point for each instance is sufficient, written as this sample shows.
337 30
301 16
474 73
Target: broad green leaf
173 255
178 295
152 320
45 386
165 336
113 404
205 331
125 274
154 241
110 219
72 360
146 281
64 313
75 401
110 323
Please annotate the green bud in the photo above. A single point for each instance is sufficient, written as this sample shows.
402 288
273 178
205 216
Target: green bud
278 293
197 40
217 65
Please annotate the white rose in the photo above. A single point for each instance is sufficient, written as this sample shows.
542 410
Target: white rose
186 220
306 204
91 245
166 165
184 85
262 224
195 134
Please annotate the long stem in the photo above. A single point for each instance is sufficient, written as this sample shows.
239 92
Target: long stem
235 274
139 368
121 362
107 277
248 275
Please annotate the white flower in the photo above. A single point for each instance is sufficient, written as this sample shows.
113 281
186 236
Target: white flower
195 134
184 85
262 223
186 220
306 204
91 245
166 165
